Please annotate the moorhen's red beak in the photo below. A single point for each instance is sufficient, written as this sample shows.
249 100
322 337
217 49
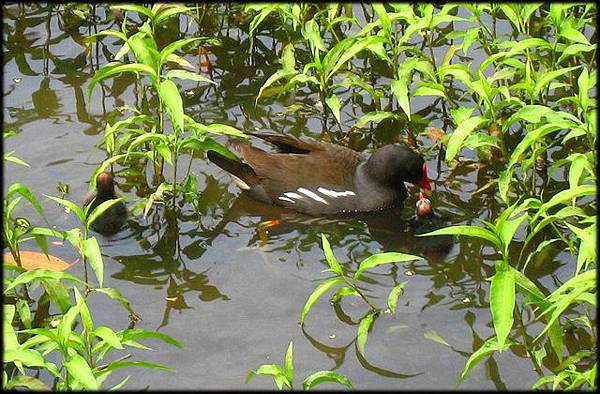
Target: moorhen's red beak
424 183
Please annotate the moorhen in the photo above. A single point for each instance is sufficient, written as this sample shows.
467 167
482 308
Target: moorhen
319 178
111 220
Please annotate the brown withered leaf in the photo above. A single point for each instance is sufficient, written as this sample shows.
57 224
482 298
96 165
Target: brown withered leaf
437 135
494 131
36 260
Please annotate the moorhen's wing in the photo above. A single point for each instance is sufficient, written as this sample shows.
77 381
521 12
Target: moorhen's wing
318 181
288 144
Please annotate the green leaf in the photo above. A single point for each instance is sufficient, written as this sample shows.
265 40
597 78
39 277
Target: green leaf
546 77
91 250
565 196
530 113
29 357
435 337
138 333
471 231
29 382
288 60
9 157
333 102
428 91
70 205
113 33
325 376
363 331
223 129
116 295
400 89
321 289
270 369
84 312
394 295
502 302
460 133
25 192
469 39
331 260
145 50
383 258
334 59
81 371
184 74
256 21
375 116
172 101
507 231
115 68
289 362
310 32
134 7
65 326
344 292
126 364
24 312
489 347
100 209
9 336
109 336
575 49
280 74
583 82
57 293
41 274
573 35
119 385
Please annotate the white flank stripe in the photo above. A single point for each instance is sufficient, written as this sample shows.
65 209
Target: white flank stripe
240 183
312 195
334 194
287 199
292 195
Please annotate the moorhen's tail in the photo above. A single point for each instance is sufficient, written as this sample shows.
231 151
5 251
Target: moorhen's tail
242 173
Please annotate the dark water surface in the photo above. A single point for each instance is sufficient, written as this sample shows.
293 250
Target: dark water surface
204 275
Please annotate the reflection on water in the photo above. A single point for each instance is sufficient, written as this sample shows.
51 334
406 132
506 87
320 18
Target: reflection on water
209 274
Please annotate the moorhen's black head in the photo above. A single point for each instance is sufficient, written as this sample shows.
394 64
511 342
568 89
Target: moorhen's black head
396 163
105 185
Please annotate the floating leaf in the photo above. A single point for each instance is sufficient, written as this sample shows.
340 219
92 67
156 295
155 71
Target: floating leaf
502 301
435 337
321 289
331 260
36 260
363 330
383 258
325 376
394 294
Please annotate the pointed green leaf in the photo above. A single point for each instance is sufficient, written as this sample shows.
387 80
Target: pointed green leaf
394 295
325 376
383 258
460 134
502 302
470 231
321 289
172 101
81 371
363 331
331 260
70 205
91 250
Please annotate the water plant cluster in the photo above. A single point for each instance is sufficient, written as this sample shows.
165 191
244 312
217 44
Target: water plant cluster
525 115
